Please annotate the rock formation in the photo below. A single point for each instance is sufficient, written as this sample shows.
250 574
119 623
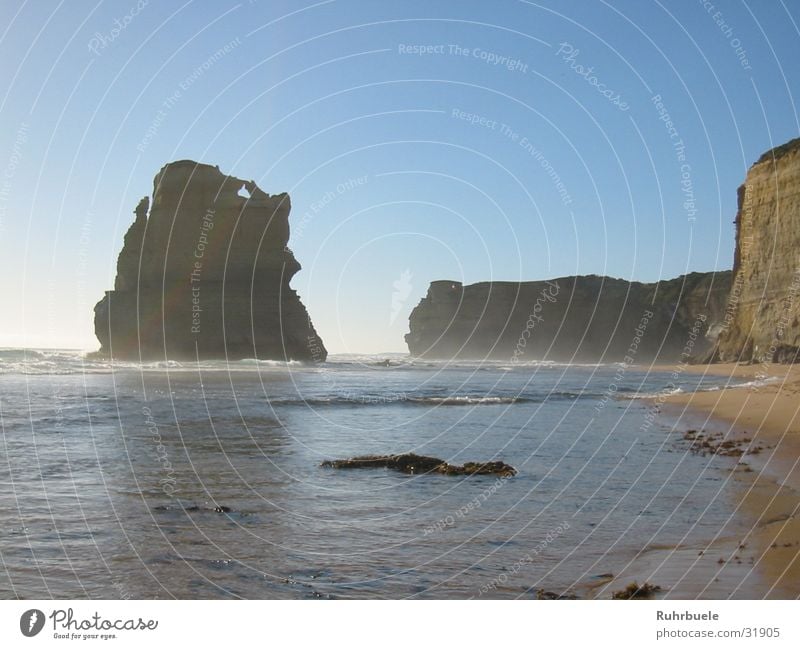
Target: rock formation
754 317
578 319
204 273
413 463
762 321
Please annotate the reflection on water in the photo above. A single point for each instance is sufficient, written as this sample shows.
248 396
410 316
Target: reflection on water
197 482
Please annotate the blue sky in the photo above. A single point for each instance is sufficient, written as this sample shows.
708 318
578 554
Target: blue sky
464 140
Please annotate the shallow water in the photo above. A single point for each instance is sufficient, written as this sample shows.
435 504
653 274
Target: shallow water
110 475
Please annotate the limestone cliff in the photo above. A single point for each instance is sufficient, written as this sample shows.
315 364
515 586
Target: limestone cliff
204 272
762 321
579 319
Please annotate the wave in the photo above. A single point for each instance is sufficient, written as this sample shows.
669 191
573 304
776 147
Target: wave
400 398
398 360
11 354
756 383
467 400
34 362
716 387
635 394
46 362
61 361
396 398
266 363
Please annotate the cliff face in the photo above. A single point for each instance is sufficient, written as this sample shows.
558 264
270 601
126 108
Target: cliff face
204 272
581 319
762 321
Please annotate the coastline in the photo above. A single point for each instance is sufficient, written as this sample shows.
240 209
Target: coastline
758 555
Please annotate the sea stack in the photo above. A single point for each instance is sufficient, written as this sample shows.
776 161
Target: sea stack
204 273
585 318
762 321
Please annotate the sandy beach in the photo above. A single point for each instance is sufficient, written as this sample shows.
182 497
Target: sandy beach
767 411
754 429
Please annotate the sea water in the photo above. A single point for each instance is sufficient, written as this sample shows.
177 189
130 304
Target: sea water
203 480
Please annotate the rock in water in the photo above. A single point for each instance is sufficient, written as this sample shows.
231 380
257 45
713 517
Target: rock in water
762 321
204 273
413 463
579 319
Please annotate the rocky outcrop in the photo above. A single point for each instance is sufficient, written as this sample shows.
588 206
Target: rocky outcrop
204 273
762 321
577 319
413 463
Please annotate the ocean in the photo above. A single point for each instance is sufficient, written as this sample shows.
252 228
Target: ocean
203 480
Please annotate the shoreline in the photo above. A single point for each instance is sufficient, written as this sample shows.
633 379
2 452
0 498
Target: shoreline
758 555
768 412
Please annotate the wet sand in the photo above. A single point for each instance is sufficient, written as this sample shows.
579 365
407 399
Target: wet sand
757 555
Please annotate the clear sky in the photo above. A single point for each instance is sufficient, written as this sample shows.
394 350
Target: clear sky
419 140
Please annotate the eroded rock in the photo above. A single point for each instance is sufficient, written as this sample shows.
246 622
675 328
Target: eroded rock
413 463
205 272
635 591
762 321
703 443
586 319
